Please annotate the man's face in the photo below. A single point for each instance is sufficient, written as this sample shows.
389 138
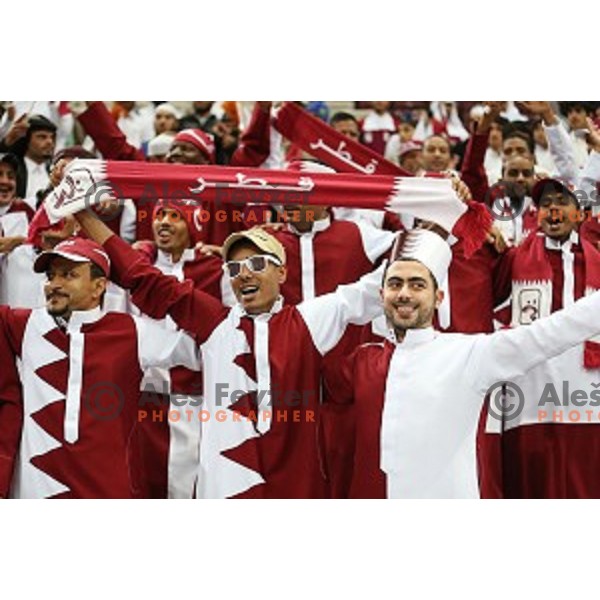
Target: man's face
185 153
302 216
171 233
380 106
69 286
436 154
412 161
164 121
8 183
519 175
514 146
409 296
349 128
406 132
256 292
577 118
41 145
559 215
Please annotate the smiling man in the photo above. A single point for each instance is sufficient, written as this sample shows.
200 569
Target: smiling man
417 396
544 453
80 372
261 362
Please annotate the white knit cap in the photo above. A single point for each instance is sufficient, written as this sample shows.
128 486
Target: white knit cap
159 145
168 108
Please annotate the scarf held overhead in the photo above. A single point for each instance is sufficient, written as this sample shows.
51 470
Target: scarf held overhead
87 183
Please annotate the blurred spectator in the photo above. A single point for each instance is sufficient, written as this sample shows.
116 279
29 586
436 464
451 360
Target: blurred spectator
158 147
203 116
406 131
410 157
543 156
33 140
577 113
346 124
437 156
378 126
137 123
441 119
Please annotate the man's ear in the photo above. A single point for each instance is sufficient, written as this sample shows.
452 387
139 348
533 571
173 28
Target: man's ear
100 286
439 298
282 275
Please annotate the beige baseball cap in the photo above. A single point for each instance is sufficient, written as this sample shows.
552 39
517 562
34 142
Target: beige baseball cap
260 238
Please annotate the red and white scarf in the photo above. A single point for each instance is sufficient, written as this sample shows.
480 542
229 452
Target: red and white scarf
532 284
86 183
328 146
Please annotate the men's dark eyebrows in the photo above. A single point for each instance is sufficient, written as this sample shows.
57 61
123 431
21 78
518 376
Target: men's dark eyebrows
417 280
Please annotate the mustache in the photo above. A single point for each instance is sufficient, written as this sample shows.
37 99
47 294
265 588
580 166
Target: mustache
50 295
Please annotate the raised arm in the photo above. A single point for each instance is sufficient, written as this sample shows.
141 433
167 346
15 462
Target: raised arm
255 141
510 353
328 316
473 170
155 294
107 136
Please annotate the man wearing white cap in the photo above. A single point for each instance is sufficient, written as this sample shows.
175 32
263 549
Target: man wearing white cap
80 370
417 397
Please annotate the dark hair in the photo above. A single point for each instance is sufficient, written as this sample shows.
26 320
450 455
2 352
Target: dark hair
433 279
95 273
521 135
340 116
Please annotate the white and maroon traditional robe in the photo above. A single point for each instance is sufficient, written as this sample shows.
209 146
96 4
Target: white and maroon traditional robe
333 253
170 445
417 403
80 391
261 435
552 450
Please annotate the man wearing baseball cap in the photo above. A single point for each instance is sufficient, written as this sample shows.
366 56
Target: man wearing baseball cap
80 373
261 362
544 454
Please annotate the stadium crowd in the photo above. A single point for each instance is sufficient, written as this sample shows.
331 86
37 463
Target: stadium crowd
182 349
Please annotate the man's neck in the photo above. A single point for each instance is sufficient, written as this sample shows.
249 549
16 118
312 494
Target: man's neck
37 161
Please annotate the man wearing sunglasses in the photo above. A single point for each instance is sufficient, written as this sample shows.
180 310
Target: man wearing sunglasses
260 434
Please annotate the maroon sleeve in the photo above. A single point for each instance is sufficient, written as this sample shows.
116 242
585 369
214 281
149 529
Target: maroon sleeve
255 142
11 406
159 295
502 276
473 172
107 136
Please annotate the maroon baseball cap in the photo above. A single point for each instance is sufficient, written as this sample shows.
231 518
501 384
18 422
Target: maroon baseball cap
550 184
77 249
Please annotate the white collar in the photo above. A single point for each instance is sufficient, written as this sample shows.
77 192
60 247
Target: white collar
166 259
4 209
32 165
317 227
277 306
552 244
82 317
415 337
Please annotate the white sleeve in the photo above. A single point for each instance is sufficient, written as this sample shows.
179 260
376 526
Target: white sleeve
128 221
510 353
589 178
158 347
376 242
562 151
327 316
